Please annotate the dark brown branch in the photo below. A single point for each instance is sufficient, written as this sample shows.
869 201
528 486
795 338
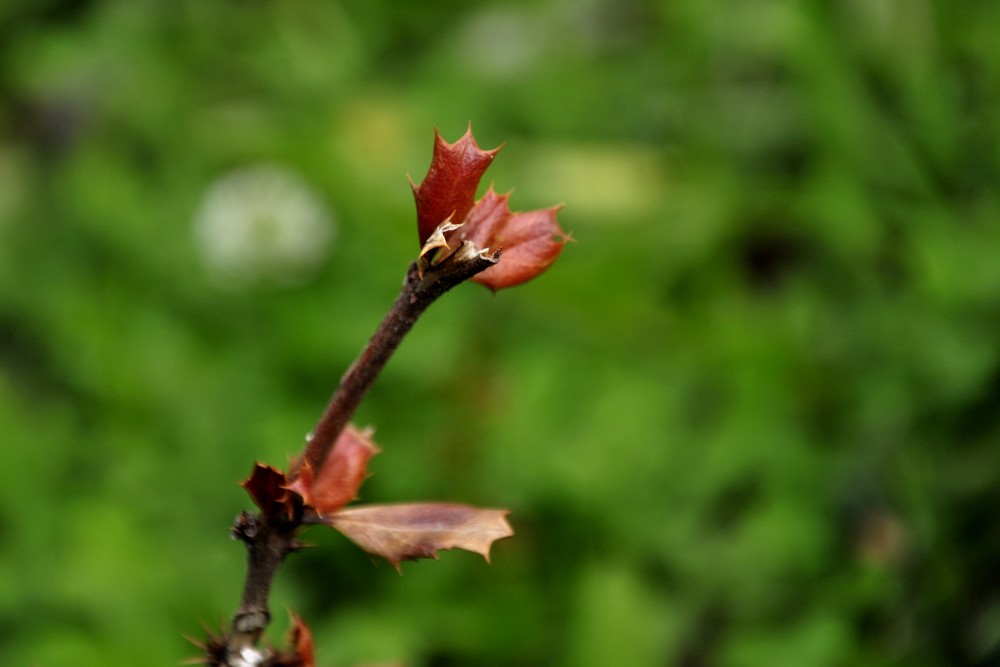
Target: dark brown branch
420 290
268 542
270 535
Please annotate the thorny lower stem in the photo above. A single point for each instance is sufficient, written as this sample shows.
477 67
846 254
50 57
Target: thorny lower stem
268 542
270 538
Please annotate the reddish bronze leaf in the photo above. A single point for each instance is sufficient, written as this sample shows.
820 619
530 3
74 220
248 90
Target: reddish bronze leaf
343 471
449 188
267 487
420 530
301 638
531 241
302 653
447 210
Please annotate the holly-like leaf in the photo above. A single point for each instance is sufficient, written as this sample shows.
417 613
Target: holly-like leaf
421 530
531 241
448 214
338 480
449 188
267 487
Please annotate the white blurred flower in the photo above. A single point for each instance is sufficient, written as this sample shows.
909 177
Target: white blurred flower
262 225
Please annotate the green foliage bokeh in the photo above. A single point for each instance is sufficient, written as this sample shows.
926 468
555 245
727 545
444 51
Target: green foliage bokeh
751 417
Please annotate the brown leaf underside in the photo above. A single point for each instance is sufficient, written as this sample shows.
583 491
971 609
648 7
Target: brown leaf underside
420 530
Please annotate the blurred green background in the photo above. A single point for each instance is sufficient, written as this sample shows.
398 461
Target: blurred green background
752 417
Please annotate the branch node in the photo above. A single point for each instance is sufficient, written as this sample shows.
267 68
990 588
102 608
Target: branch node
251 621
244 528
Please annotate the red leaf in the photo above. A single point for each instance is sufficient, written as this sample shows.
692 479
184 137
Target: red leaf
531 241
449 188
267 487
301 638
302 653
343 471
411 531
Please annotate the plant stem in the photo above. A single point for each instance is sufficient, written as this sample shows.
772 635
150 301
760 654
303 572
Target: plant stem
268 542
270 536
419 291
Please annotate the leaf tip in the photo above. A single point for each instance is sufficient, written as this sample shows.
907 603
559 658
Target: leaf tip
449 188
